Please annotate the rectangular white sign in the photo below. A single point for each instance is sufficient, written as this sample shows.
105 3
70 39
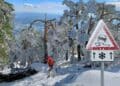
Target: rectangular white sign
102 55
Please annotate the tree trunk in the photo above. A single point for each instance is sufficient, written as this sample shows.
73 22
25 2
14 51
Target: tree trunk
45 43
78 48
66 55
78 51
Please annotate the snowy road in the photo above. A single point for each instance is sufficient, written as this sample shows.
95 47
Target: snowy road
69 76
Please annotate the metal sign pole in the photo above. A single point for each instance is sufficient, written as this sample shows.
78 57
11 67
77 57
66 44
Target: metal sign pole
102 73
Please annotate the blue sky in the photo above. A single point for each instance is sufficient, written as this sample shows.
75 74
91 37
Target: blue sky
47 6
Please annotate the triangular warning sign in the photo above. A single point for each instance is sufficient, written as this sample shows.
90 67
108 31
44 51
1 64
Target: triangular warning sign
102 39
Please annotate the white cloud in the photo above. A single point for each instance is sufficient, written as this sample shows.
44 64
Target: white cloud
116 0
112 0
28 5
49 7
117 4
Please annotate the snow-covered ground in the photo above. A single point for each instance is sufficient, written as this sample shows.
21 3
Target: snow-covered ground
70 75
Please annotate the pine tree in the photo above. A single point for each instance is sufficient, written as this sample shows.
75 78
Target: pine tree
5 29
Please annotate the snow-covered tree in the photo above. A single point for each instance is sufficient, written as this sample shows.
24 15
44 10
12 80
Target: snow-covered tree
27 48
47 25
57 42
74 14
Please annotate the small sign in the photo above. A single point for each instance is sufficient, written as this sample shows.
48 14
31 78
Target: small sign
102 39
97 55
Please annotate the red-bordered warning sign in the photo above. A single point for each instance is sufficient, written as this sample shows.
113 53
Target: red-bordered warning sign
102 39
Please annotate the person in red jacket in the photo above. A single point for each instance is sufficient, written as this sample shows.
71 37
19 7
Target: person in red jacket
50 62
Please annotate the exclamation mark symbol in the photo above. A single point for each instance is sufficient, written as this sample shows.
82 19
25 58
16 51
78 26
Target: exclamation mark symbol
111 54
94 55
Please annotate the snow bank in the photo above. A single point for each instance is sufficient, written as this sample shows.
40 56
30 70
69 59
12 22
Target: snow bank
6 70
40 67
92 78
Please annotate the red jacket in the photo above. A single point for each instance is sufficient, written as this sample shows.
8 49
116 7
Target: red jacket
50 61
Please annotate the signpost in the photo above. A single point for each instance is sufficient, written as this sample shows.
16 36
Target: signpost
102 44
